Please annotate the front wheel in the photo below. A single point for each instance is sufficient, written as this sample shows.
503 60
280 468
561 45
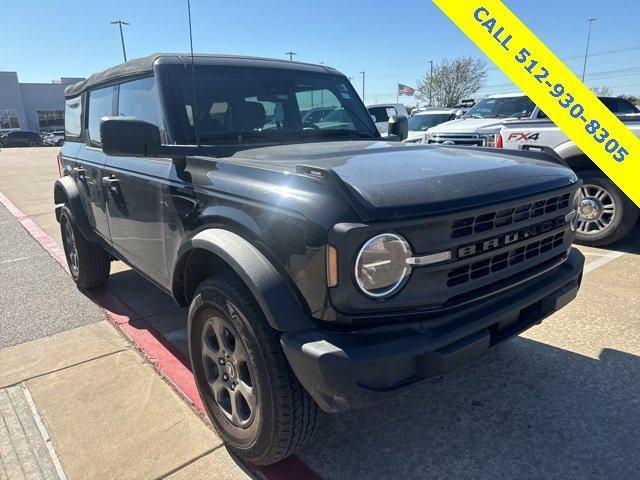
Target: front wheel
606 213
32 143
89 263
252 397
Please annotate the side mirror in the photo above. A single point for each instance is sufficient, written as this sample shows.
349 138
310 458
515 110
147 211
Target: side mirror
129 137
398 126
459 113
373 117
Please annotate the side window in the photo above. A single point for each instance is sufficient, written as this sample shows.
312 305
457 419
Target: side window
139 99
73 117
100 104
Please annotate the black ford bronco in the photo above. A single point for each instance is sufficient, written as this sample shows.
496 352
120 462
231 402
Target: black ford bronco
324 266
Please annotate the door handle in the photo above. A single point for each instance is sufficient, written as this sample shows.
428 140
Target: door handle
111 183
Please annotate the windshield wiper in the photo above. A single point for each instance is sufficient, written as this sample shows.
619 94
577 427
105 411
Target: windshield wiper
342 133
240 136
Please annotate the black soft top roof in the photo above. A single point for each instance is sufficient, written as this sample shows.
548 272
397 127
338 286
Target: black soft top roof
144 66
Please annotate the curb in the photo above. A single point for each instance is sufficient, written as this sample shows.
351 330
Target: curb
161 355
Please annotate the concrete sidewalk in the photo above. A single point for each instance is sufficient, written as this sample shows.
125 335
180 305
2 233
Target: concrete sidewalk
76 400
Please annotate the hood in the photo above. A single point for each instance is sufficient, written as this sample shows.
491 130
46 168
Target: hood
392 179
467 125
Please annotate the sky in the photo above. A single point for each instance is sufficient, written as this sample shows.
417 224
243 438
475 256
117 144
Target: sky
391 41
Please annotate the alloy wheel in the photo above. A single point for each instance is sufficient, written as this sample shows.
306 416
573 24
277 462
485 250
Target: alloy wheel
597 210
228 372
71 248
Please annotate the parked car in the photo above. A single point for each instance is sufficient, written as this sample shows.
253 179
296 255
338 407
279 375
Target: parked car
316 114
323 266
54 138
421 122
20 138
480 125
383 111
606 213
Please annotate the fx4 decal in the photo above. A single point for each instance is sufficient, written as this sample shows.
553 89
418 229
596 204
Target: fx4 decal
523 136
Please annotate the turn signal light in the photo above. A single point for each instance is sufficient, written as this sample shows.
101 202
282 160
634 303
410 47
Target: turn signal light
332 266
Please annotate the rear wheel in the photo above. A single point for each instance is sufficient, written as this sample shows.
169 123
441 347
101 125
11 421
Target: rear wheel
32 143
253 399
89 263
60 142
606 213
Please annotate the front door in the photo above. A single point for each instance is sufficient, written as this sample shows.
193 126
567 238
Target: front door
134 203
134 188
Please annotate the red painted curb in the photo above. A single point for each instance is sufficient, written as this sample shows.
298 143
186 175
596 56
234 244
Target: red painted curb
165 359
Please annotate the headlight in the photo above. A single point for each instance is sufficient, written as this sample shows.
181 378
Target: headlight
491 140
381 265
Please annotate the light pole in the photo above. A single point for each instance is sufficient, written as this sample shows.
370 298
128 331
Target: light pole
120 23
430 80
362 86
586 52
291 54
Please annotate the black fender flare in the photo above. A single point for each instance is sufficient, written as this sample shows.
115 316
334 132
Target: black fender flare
278 302
66 191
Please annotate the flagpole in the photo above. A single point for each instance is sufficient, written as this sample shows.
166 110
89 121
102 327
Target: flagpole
397 92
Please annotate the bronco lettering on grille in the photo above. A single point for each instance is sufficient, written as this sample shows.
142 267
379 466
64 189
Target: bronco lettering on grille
494 243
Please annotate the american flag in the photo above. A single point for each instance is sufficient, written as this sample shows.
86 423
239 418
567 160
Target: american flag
405 90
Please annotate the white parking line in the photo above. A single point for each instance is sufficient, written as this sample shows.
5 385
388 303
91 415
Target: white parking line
602 261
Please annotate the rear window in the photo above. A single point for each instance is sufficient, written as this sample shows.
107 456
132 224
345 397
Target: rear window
382 114
73 117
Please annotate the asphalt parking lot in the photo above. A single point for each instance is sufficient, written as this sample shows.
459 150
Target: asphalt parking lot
560 401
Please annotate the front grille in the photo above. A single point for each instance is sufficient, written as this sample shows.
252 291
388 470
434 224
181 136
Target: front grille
481 268
470 139
488 221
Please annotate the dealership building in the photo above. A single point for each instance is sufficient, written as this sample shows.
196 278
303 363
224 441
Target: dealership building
32 106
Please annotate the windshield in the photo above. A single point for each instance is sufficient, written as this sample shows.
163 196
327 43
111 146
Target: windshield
504 107
240 105
422 122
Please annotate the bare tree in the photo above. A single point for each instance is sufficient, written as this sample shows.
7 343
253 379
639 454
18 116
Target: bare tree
631 98
602 91
452 80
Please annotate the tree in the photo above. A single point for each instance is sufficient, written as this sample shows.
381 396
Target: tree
631 98
602 91
452 80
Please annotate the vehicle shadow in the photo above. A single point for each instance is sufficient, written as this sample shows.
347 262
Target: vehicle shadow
525 410
629 244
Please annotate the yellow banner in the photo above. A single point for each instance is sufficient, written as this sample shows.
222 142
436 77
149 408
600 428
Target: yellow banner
552 86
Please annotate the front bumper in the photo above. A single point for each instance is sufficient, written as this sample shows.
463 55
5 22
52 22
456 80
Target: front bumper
347 370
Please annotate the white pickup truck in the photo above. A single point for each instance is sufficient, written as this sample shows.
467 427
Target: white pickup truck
606 214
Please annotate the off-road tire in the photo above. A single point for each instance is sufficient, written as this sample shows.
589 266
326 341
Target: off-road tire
626 212
93 261
286 415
